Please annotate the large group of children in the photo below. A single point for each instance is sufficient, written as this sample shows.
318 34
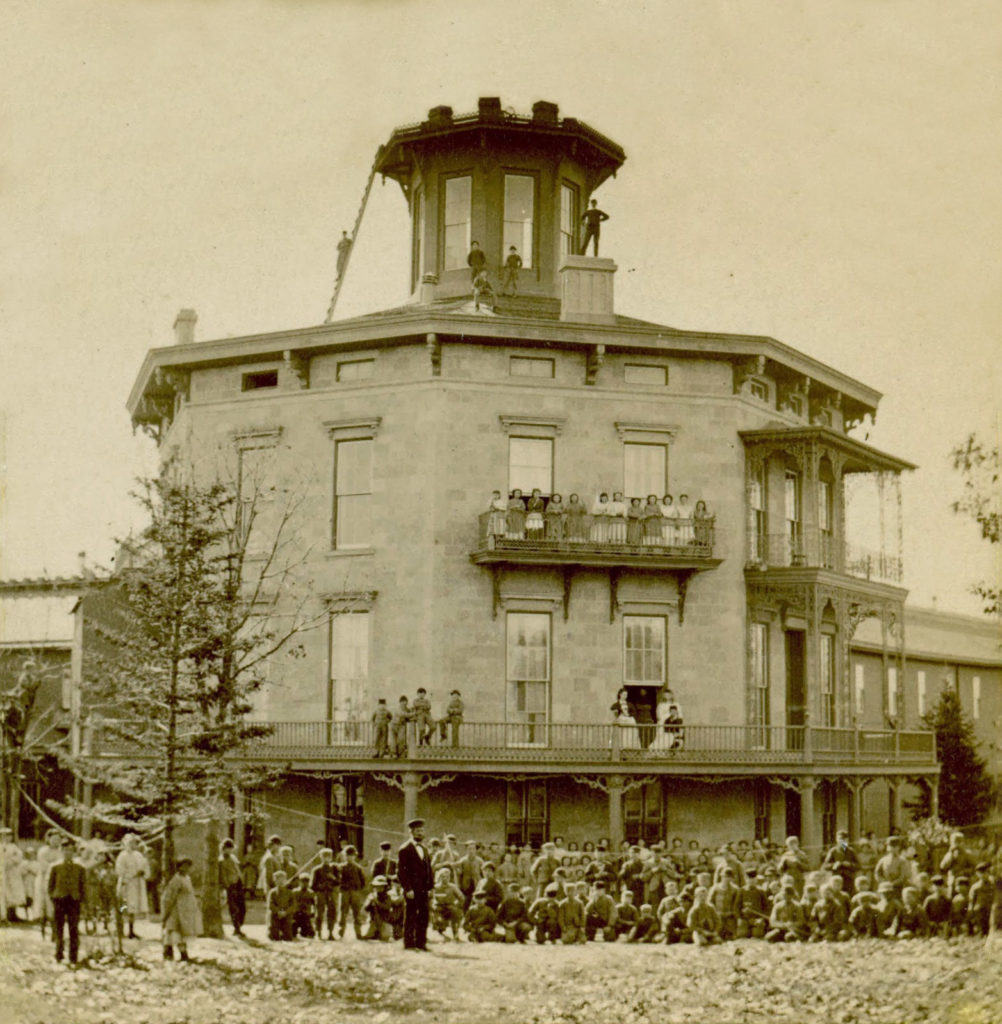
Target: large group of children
666 893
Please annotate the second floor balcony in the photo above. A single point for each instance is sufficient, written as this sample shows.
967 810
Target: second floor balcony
590 540
475 746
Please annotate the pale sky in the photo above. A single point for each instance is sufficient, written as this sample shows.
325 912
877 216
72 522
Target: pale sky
822 172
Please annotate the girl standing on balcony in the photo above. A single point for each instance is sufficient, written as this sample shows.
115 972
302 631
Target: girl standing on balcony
669 525
497 524
652 520
617 520
622 710
635 522
534 522
601 511
574 524
701 524
686 535
554 518
516 516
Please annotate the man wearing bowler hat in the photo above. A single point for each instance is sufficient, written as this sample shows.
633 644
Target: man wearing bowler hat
416 879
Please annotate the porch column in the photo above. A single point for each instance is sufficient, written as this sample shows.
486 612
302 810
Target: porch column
411 781
933 784
614 784
852 789
896 787
807 831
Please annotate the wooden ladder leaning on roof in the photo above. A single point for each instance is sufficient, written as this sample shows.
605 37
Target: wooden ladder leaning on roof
354 234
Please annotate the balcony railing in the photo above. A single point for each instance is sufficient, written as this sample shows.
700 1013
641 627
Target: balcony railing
481 742
599 535
820 549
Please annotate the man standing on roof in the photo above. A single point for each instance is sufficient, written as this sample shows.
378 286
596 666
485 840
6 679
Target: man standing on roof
476 260
512 265
592 219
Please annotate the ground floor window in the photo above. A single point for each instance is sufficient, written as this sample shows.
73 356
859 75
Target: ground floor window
829 812
644 813
527 813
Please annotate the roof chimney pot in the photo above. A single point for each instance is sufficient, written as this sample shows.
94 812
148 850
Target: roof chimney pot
440 117
184 327
545 112
489 108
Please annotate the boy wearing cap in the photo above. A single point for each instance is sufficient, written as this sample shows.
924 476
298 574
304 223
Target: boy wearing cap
893 868
421 709
232 882
863 908
481 921
600 915
453 718
65 889
979 900
841 859
570 916
401 717
306 908
379 907
281 907
352 886
937 907
446 905
381 719
703 921
544 914
415 874
726 899
786 921
384 865
325 882
271 863
513 914
468 871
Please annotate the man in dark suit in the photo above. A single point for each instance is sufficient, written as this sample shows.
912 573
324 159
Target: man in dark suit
415 876
66 890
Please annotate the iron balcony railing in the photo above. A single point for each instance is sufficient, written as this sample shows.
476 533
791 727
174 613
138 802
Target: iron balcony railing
585 533
479 742
820 549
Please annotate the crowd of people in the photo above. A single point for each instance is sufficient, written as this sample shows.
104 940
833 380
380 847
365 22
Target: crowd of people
637 522
484 892
666 893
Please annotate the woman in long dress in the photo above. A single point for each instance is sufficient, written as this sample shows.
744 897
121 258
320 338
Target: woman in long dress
629 737
574 519
49 854
635 523
497 523
534 522
669 525
132 869
652 520
687 534
516 516
701 524
600 522
553 517
617 519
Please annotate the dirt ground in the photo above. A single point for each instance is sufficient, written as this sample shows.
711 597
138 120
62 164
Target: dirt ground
255 982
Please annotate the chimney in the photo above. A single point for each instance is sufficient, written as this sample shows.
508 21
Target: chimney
586 290
489 108
440 117
184 327
544 112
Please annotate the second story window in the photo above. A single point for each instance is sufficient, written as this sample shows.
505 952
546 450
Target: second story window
417 256
519 215
825 523
643 650
349 671
528 672
353 493
759 641
456 224
645 469
756 504
530 464
793 532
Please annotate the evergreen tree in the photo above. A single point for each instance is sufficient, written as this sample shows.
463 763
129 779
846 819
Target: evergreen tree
966 790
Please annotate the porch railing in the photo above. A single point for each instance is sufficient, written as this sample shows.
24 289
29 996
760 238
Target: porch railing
558 742
820 549
502 531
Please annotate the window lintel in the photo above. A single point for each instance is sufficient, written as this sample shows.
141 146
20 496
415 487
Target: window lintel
652 433
256 437
541 426
353 429
350 600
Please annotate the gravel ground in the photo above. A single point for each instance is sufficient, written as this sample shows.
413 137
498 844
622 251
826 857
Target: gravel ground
256 982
